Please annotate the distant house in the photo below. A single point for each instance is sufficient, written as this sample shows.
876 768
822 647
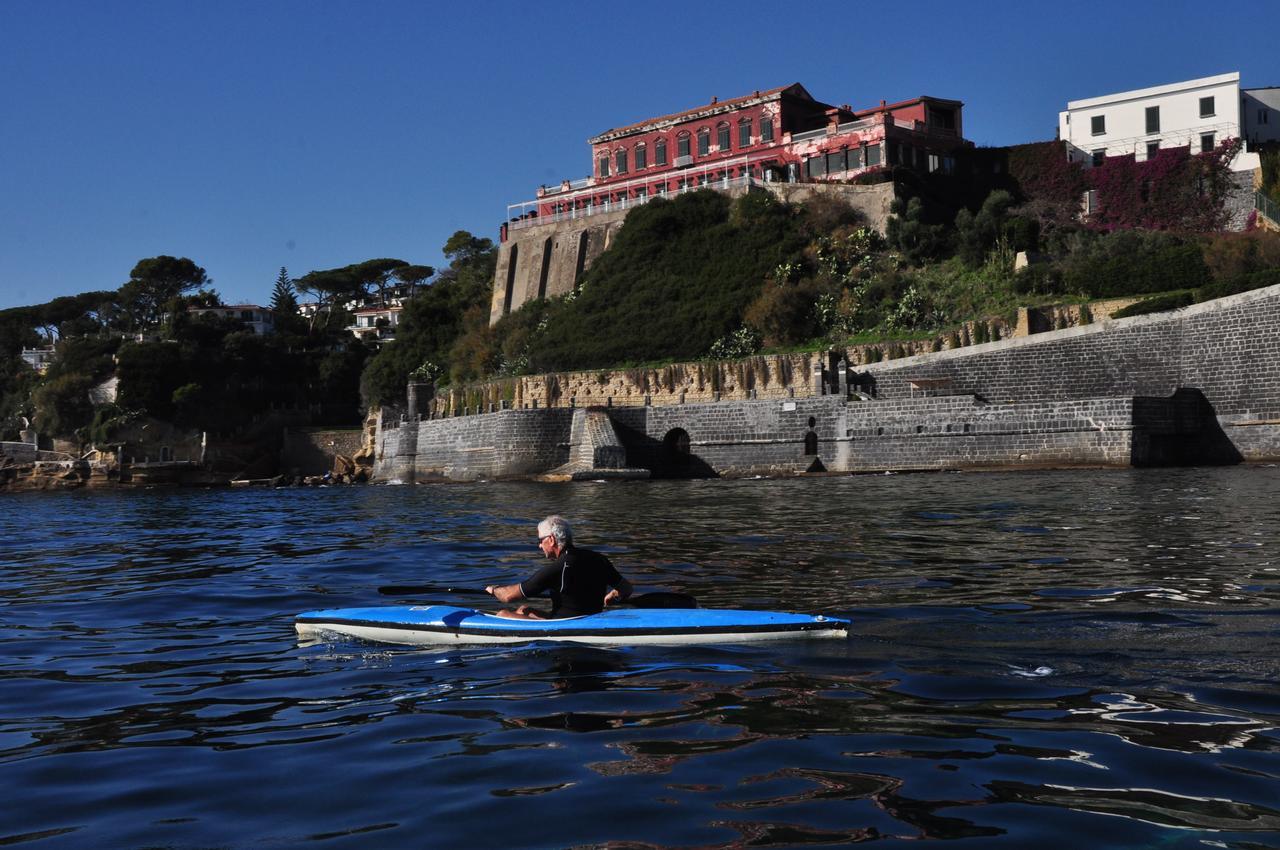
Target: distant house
38 358
1196 114
376 323
260 320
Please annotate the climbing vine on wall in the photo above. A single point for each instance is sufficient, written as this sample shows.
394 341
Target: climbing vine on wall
1173 190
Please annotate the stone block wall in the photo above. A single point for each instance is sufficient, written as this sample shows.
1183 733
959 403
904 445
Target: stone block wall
307 452
1199 385
1228 348
509 443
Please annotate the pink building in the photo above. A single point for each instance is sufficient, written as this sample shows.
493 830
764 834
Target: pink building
780 135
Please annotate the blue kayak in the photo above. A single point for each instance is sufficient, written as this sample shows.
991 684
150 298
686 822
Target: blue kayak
448 624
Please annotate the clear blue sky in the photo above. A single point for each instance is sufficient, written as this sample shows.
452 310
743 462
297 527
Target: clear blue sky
253 135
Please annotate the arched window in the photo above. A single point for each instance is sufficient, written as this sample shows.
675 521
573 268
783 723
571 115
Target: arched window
620 160
744 133
682 144
660 152
704 142
604 165
766 129
641 156
722 136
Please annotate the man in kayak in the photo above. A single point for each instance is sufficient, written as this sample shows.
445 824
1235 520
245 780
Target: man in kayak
579 581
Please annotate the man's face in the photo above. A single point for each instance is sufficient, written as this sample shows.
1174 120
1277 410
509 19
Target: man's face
547 543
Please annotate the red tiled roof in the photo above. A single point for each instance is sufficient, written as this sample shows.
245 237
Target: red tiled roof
714 107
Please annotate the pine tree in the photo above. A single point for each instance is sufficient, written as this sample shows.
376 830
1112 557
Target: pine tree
284 298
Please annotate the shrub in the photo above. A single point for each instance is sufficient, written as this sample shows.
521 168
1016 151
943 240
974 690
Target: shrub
1135 263
1240 283
1159 304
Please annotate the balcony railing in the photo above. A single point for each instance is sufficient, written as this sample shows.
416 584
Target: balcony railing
525 214
1267 208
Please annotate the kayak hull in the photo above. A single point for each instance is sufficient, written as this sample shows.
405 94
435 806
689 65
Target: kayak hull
446 624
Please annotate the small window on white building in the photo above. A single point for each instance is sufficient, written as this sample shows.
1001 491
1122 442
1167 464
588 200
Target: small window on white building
1206 142
1153 148
1153 119
1098 156
1206 107
1098 125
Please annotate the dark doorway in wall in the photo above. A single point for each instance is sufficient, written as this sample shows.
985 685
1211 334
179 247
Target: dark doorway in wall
675 448
511 278
811 443
582 259
546 268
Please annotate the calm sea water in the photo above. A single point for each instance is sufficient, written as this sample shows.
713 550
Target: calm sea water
1072 659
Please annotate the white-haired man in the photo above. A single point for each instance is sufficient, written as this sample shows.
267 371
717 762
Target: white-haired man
579 581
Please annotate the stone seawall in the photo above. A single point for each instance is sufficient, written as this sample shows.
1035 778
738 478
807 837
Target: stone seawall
1200 385
1229 349
506 444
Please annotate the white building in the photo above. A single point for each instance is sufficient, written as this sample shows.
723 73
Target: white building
376 324
1260 110
260 320
39 358
1198 114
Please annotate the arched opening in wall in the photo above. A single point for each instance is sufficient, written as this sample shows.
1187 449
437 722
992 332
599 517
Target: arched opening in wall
546 268
582 260
511 279
810 443
676 447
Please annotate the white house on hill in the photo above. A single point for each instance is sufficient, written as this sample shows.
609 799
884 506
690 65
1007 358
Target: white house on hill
1198 114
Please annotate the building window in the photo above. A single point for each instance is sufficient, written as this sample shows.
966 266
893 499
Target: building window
1153 149
835 162
1153 119
766 129
660 152
1206 142
1262 116
704 142
604 166
682 144
1098 156
642 157
815 166
1098 125
855 158
620 160
744 133
873 155
1206 107
722 136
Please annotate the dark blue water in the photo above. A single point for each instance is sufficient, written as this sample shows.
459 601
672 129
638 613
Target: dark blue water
1077 659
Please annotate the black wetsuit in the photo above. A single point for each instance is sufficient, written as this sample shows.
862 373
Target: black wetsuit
577 582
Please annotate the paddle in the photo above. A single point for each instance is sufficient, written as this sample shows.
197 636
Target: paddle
656 599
